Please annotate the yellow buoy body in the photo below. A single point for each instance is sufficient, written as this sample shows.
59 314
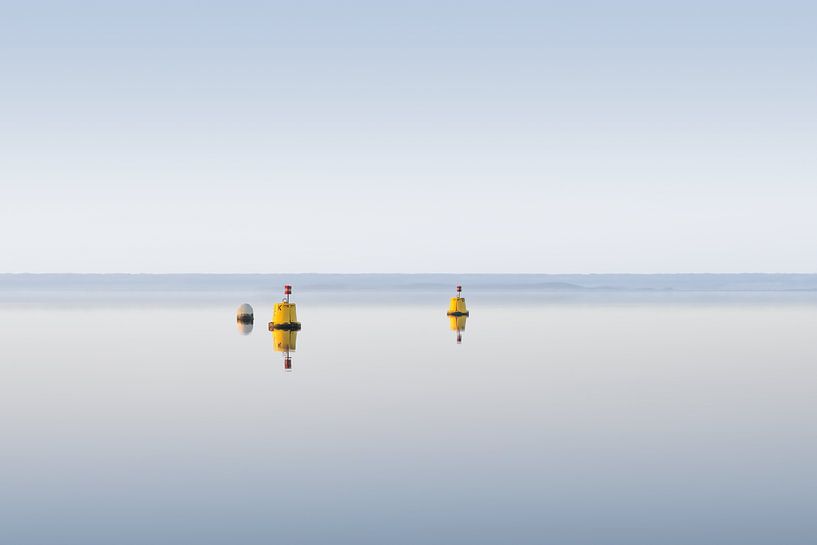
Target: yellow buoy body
457 307
457 323
284 313
284 317
284 340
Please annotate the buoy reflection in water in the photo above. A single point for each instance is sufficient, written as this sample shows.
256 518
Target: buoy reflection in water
284 341
457 323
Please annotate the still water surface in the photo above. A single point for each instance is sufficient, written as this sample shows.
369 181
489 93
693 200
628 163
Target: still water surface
600 419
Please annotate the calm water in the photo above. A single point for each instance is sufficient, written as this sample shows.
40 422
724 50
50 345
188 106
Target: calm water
559 419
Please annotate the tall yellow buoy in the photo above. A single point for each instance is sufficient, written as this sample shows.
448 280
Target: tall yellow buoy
457 306
283 340
283 314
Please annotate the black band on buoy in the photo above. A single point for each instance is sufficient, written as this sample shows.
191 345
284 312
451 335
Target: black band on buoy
289 326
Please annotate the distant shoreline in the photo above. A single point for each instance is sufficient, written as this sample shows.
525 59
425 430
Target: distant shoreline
683 282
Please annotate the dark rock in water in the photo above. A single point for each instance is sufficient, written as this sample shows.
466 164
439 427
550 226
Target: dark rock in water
244 314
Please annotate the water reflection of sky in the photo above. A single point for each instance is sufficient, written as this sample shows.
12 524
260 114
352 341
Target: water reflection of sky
590 421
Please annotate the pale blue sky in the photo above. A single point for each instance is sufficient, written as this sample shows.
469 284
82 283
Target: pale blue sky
412 136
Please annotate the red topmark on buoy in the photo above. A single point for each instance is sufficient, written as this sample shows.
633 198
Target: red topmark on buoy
287 289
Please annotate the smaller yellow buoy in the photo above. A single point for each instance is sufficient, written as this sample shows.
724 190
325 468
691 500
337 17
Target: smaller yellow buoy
457 306
283 314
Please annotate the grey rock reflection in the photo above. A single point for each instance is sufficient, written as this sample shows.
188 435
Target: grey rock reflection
244 328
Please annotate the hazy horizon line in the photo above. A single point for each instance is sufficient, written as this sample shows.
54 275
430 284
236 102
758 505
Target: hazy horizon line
154 273
401 281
